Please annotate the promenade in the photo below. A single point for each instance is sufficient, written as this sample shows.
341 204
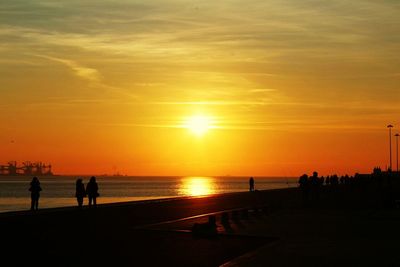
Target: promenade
342 228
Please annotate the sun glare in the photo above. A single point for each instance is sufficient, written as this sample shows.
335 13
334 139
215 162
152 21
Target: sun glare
197 186
198 124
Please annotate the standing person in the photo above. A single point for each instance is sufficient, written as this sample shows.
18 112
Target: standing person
251 184
80 192
304 185
315 184
92 191
35 193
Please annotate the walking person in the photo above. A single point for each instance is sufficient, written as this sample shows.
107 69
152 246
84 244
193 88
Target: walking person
304 186
315 186
251 184
80 192
92 191
35 193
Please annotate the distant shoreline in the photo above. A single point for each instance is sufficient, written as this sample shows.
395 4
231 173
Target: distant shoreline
130 203
147 176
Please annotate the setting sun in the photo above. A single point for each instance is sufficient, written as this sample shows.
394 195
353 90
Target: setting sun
198 124
199 87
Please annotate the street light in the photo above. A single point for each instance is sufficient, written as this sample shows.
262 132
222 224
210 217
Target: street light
397 152
390 145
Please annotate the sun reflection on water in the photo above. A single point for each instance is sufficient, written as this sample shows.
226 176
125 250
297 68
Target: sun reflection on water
197 186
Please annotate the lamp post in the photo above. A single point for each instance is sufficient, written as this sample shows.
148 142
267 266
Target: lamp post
397 152
390 145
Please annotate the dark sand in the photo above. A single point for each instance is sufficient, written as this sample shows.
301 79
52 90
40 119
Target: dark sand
112 235
336 230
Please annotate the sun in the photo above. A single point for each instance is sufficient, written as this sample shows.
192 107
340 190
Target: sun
198 124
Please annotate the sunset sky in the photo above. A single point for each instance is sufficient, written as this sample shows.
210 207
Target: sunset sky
281 87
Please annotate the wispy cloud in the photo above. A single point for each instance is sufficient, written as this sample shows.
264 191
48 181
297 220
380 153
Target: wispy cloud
89 74
210 103
277 53
94 79
262 90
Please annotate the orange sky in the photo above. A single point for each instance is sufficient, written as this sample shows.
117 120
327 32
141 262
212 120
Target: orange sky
288 86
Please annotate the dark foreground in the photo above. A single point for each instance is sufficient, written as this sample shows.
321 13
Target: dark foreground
111 235
341 223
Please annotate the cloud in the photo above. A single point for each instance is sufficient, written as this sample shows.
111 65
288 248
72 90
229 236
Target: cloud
95 80
210 103
194 32
90 74
262 90
212 48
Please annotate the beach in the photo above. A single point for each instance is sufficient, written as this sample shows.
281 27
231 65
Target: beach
199 133
342 228
59 191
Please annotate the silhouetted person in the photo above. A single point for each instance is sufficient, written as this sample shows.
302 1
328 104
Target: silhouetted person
80 192
251 184
92 191
35 193
304 186
327 180
334 180
321 181
315 184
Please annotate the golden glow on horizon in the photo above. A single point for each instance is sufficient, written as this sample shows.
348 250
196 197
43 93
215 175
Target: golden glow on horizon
205 88
197 186
199 124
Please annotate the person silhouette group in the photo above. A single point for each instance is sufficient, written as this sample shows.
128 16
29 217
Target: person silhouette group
91 192
311 186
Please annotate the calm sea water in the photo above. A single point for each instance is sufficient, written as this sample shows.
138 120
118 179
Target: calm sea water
59 191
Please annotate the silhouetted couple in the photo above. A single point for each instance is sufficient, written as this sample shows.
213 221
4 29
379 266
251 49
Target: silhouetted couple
35 193
311 185
91 192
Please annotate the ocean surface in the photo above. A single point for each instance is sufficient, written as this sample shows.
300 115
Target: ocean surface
59 191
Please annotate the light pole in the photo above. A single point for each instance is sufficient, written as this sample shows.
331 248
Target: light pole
390 145
397 152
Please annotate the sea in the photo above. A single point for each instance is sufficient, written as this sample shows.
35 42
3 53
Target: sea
59 191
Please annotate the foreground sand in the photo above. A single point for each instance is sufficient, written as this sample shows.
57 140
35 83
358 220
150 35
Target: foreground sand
343 228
